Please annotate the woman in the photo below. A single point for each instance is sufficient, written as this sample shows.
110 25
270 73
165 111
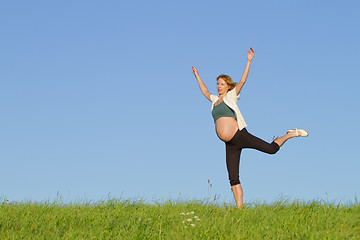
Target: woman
231 127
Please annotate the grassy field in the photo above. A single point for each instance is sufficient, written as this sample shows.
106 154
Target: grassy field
125 219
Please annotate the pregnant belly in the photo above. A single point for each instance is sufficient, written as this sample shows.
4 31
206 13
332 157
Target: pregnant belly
226 128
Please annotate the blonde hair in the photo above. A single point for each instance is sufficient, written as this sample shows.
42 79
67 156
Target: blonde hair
228 81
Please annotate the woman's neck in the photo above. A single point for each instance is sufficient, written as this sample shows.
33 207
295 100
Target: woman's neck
222 96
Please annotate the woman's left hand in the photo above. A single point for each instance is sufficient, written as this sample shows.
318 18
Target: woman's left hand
250 54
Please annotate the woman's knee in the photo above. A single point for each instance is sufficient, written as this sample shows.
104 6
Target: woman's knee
274 148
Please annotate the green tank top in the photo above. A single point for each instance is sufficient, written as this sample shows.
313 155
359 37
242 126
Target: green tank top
222 110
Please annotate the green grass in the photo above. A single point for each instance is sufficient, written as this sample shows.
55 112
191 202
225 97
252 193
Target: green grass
126 219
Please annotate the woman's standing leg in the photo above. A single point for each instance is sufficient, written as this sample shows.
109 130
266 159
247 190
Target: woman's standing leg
233 152
238 195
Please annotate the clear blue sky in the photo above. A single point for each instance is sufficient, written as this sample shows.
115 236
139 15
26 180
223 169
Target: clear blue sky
98 97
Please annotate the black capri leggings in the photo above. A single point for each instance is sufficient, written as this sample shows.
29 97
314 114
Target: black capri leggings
243 139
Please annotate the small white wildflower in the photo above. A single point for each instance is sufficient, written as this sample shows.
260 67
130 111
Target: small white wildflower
187 213
182 213
183 221
189 220
193 225
192 213
185 226
197 219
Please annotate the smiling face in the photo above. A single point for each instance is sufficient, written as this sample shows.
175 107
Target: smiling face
222 86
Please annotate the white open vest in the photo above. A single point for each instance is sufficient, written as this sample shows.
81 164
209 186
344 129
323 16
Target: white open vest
230 99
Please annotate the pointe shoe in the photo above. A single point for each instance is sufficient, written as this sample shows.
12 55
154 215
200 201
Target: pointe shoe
299 132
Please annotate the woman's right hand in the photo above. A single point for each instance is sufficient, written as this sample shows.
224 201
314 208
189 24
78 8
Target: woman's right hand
202 86
195 71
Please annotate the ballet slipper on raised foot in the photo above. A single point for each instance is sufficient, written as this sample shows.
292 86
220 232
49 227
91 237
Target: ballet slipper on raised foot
299 132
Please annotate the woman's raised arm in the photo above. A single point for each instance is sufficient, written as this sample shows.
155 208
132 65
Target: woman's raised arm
202 86
240 84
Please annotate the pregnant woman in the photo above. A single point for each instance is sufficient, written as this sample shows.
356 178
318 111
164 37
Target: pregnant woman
231 127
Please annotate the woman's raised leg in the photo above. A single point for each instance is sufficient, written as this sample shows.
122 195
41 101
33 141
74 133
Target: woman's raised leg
281 140
251 141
